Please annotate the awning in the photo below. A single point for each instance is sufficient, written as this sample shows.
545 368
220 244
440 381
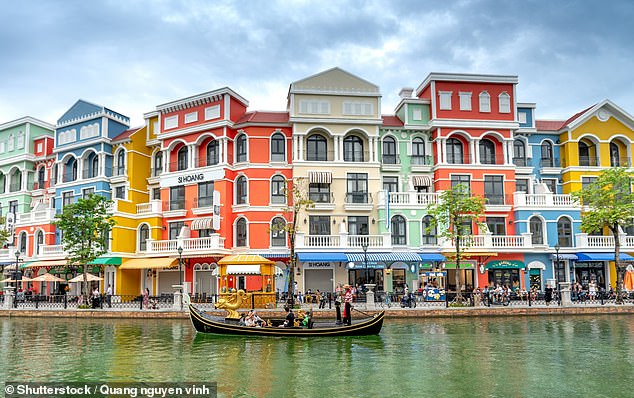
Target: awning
435 257
143 263
566 256
202 223
396 256
106 261
274 255
505 264
243 269
536 265
322 257
463 265
245 259
320 177
421 181
50 263
602 257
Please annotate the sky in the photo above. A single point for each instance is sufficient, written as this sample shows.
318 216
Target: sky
132 55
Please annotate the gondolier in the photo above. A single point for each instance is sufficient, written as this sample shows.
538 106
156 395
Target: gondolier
347 308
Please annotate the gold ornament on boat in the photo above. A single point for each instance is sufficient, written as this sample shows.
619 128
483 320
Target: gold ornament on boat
232 302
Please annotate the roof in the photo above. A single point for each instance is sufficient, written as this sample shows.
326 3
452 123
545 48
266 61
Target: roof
577 115
126 134
390 120
549 125
263 117
245 259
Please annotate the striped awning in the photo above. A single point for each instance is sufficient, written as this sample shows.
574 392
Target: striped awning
202 223
243 269
398 256
320 177
421 181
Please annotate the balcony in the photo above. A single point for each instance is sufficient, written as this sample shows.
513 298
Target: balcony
153 207
551 165
86 174
191 246
583 161
13 187
322 200
390 162
39 185
408 200
620 162
36 217
341 241
175 208
358 201
544 200
604 243
204 162
493 242
51 252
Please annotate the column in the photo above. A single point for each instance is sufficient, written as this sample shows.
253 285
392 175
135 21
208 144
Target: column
191 156
440 150
300 145
475 154
221 151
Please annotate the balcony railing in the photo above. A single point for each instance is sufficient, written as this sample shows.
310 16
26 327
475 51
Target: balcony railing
358 197
177 166
213 242
118 171
498 199
51 251
85 174
554 162
583 240
422 160
583 161
545 200
390 159
458 160
203 202
490 241
410 198
620 162
153 206
15 187
174 205
321 197
155 172
342 240
521 162
46 215
39 185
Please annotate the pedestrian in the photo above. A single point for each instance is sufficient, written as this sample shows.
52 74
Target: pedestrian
347 308
109 296
146 298
548 294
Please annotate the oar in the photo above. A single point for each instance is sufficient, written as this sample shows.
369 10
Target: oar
364 313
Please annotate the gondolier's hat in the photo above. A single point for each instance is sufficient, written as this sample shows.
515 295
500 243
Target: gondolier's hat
346 286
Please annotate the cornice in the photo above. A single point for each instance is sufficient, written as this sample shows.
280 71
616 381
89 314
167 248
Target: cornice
465 77
480 124
95 115
27 119
200 99
195 129
377 122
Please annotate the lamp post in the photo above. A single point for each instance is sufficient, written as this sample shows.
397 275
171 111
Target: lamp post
557 247
180 274
15 278
364 246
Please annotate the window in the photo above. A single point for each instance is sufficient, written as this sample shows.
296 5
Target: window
16 181
86 192
182 158
121 162
496 225
465 101
390 184
584 154
11 143
213 112
13 206
398 231
485 102
170 122
314 107
212 153
319 225
40 178
241 145
487 152
2 186
23 242
94 166
156 193
319 192
454 151
547 154
278 234
39 241
537 229
358 225
67 198
144 235
205 233
241 232
445 100
458 179
352 149
551 184
357 184
521 185
175 229
564 232
428 233
587 181
494 190
241 190
504 103
521 117
389 150
206 194
466 228
158 164
278 190
418 151
519 153
317 148
417 114
278 148
191 117
358 108
177 198
615 156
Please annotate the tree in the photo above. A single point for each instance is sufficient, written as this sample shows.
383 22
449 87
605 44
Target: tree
5 233
454 214
296 201
85 227
610 203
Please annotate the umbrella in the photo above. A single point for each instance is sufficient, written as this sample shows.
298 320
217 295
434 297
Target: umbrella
89 277
48 278
628 279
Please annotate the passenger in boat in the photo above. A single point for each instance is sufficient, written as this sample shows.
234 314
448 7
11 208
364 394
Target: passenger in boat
259 322
249 320
347 308
289 321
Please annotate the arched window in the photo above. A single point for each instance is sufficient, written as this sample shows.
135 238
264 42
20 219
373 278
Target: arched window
278 190
158 164
428 233
317 148
584 154
144 235
352 149
181 157
389 150
547 154
519 153
418 151
504 103
241 190
23 242
485 102
16 181
241 232
278 148
454 151
40 177
615 156
537 229
278 234
212 153
564 232
121 162
487 152
398 231
94 165
241 148
39 241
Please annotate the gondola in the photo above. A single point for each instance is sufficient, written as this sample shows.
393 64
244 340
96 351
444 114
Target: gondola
205 323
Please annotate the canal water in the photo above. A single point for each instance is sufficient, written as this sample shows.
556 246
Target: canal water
589 356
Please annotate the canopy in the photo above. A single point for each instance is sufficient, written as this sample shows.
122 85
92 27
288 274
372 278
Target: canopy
245 259
48 278
505 264
396 256
9 280
89 278
50 263
435 257
243 269
327 257
153 263
106 261
602 257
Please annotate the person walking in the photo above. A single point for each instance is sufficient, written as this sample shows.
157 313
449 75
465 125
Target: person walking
548 294
347 308
146 298
109 296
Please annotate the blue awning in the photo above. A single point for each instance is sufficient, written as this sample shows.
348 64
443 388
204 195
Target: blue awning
602 257
322 257
435 257
273 255
564 256
396 256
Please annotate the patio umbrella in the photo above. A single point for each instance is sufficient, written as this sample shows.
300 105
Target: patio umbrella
628 279
48 278
89 277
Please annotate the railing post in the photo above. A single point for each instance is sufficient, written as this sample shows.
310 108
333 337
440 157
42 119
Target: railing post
65 301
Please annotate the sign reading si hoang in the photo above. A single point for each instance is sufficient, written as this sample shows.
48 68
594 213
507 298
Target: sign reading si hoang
190 177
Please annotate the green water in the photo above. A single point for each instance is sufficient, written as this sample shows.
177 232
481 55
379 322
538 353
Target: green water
500 357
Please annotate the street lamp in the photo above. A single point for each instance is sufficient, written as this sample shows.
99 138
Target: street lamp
557 247
180 275
15 278
364 246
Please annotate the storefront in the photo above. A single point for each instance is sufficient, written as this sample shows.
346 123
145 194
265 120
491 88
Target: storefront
505 273
433 285
319 276
535 275
466 275
596 267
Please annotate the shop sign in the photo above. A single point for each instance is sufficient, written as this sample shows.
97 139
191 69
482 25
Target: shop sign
505 264
318 265
191 177
433 294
